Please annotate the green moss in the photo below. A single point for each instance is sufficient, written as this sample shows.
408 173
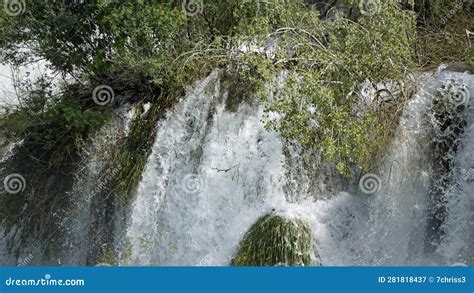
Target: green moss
108 257
275 240
132 158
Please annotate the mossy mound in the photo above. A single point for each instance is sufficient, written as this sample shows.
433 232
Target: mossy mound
276 241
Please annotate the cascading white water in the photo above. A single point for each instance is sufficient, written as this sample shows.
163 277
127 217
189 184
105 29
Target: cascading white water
457 245
213 173
389 227
7 258
89 182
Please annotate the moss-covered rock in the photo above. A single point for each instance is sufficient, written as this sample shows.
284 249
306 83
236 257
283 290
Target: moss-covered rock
276 241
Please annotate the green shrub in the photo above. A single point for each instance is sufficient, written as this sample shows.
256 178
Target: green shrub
274 240
443 32
53 128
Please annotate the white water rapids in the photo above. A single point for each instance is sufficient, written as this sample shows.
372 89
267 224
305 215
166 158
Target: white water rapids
212 173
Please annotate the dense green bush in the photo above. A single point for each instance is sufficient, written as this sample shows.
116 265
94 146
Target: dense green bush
325 60
276 241
56 127
443 32
151 50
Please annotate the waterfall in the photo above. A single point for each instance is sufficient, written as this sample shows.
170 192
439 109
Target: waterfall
90 179
212 173
214 170
389 227
90 182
